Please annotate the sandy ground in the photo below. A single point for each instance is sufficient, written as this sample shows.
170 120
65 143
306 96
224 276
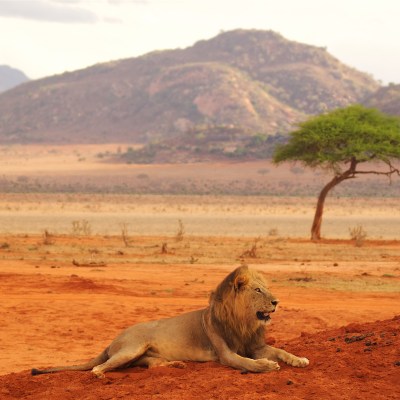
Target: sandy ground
238 216
34 178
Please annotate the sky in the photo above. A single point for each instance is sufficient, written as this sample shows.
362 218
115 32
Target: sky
48 37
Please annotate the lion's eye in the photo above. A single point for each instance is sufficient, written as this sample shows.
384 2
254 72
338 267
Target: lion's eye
258 290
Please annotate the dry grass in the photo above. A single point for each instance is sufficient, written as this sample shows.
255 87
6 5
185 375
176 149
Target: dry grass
181 231
320 263
199 215
125 234
356 283
48 238
358 234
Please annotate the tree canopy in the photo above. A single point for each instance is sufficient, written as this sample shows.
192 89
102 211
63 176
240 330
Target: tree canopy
330 139
339 141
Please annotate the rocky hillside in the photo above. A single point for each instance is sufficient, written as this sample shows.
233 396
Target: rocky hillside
10 77
254 81
386 99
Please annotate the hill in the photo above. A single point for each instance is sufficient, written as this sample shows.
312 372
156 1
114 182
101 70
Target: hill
254 81
386 99
10 77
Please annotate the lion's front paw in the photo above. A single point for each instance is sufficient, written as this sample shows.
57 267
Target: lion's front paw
264 365
300 362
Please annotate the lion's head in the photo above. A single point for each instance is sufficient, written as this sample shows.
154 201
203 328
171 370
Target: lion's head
242 303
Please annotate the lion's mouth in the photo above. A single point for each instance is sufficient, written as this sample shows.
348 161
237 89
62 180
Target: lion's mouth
263 316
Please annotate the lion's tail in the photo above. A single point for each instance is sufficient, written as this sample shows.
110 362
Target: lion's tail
100 359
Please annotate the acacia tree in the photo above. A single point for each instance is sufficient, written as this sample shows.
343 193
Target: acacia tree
340 141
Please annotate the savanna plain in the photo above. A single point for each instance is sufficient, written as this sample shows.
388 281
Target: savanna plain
86 249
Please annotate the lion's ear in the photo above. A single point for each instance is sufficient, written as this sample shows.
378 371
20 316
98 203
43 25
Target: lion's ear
240 282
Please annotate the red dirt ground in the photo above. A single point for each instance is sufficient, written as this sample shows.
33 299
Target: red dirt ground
54 312
358 361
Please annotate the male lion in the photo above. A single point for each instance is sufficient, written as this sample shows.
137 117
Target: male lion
230 330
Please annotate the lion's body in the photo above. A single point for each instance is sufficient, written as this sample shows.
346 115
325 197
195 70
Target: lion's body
231 330
172 339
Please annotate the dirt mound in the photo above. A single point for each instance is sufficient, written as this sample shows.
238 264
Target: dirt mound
354 362
77 283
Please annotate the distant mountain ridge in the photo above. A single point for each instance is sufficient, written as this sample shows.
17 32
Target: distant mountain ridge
248 80
10 77
386 99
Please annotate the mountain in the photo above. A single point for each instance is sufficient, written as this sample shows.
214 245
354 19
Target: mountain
248 80
386 99
10 77
305 77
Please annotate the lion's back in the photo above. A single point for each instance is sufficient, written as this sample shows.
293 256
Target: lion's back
179 338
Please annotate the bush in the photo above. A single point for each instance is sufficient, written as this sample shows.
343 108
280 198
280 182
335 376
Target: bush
358 234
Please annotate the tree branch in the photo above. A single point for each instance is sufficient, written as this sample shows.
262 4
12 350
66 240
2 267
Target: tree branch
392 170
388 173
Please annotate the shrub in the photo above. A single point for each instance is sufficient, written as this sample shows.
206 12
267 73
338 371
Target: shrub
358 234
81 227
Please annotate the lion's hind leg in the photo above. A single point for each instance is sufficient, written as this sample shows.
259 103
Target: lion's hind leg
151 362
121 358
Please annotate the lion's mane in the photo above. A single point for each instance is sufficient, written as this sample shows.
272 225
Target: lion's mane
230 312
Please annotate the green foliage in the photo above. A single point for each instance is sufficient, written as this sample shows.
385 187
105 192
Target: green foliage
332 139
145 155
259 139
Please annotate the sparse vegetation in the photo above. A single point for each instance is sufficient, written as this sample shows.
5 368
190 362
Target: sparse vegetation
48 238
252 252
211 142
81 227
273 232
124 234
302 279
181 231
84 252
164 248
358 234
193 260
230 179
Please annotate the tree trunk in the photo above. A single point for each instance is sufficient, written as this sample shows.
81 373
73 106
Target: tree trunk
316 226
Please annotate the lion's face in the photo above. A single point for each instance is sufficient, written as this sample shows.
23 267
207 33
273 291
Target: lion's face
244 299
261 300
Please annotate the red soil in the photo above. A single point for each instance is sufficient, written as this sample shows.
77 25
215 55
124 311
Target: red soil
58 313
358 361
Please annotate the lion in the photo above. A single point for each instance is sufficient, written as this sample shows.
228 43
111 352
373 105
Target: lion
231 331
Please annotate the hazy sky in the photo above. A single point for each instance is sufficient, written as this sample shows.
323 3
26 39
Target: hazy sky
47 37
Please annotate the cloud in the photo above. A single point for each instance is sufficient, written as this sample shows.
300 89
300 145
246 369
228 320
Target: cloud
42 10
112 20
66 1
118 2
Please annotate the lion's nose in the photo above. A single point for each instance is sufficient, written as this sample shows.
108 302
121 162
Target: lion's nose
274 302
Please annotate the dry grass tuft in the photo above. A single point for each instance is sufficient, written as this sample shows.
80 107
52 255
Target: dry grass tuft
81 227
48 238
181 231
358 234
252 252
124 234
